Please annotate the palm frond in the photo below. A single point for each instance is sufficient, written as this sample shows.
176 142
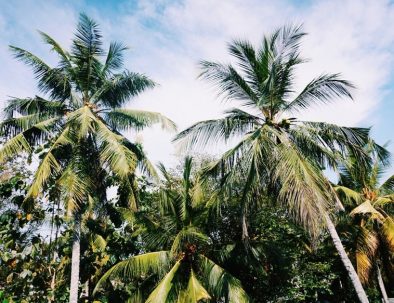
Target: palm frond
388 232
48 165
160 293
113 151
367 208
29 106
323 89
388 186
231 85
188 234
50 80
255 72
74 185
83 120
13 147
120 88
87 41
345 140
201 134
38 126
367 244
40 68
125 119
56 47
137 266
114 59
348 195
302 187
220 283
313 149
285 41
194 292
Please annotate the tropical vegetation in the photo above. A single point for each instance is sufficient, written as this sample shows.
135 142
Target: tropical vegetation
260 223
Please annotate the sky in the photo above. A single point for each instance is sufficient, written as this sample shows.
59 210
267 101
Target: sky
168 38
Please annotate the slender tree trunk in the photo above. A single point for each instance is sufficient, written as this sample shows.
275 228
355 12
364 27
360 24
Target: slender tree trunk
90 290
362 296
75 259
53 286
244 224
381 285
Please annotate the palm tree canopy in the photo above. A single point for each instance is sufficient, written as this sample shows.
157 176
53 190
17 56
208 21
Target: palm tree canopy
82 111
370 204
179 261
275 147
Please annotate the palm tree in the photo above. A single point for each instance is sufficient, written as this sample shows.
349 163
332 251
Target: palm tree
277 152
179 249
78 121
372 228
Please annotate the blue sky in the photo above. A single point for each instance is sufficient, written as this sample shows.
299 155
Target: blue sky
168 38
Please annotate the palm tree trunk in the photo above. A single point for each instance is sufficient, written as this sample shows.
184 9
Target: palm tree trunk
53 286
75 258
244 223
381 286
362 296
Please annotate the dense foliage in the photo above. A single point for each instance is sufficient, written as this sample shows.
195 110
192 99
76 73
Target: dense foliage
259 224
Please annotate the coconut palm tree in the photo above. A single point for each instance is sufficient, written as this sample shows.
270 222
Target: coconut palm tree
369 203
179 257
78 121
276 151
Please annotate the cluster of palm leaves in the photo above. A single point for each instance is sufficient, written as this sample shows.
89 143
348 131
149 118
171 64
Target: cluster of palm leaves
183 269
370 206
77 127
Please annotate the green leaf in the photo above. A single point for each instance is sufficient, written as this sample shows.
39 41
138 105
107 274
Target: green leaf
160 293
195 292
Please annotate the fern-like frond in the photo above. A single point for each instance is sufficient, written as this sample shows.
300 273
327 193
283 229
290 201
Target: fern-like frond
48 165
160 293
323 89
155 262
194 292
188 234
120 88
113 151
13 147
220 283
75 186
125 119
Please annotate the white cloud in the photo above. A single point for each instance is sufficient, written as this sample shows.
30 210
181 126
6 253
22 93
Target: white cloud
168 38
350 37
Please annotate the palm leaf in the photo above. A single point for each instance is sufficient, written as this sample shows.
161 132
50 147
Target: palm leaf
48 165
64 55
114 59
75 187
220 283
154 262
117 90
14 146
113 151
348 194
231 85
388 186
160 293
188 234
366 208
321 90
36 105
125 119
195 292
302 187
